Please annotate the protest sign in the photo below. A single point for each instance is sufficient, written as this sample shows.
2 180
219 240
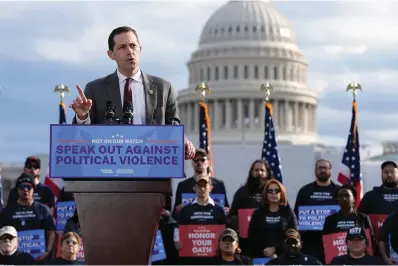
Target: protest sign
312 218
199 240
244 217
32 242
116 151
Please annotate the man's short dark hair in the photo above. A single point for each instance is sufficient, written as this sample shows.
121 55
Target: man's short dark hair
117 31
387 163
323 160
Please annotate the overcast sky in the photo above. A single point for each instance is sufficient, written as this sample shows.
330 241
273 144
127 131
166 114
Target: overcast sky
43 44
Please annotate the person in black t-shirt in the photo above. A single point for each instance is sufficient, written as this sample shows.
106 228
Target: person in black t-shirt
229 251
202 211
247 197
347 217
26 214
269 223
356 250
42 193
9 253
317 196
200 164
70 245
388 239
292 252
383 200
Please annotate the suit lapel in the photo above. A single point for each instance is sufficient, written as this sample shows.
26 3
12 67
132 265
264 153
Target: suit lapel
150 90
113 93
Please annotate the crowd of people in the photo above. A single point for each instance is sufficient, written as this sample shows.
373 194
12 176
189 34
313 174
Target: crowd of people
259 227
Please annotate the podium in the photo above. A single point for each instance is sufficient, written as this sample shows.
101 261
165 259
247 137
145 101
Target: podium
119 211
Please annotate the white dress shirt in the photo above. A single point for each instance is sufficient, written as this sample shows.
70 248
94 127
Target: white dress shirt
138 97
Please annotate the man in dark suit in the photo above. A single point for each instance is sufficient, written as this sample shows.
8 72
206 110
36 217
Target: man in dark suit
153 99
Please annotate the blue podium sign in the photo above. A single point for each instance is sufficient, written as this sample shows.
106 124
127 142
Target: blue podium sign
116 151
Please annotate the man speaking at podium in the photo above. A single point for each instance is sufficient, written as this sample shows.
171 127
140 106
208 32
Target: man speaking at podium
128 92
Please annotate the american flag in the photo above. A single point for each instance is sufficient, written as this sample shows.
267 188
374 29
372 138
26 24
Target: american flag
204 133
270 148
350 172
56 184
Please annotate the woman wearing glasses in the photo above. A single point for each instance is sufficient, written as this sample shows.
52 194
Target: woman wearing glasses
269 223
70 245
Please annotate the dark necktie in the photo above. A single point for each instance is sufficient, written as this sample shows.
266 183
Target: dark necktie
128 95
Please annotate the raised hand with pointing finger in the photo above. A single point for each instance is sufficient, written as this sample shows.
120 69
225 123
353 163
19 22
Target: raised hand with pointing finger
81 105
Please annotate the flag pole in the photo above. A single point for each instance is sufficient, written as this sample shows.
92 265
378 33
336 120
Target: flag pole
354 86
61 89
203 89
267 88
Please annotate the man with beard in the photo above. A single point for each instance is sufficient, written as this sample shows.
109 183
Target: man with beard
314 202
246 199
42 193
383 200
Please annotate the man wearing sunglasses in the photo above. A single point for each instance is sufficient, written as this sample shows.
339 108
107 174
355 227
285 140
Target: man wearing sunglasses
200 163
26 214
42 193
9 253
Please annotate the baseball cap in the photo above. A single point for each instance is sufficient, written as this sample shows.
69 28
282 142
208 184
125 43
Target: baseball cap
25 178
32 162
292 234
10 230
229 232
386 163
356 232
204 179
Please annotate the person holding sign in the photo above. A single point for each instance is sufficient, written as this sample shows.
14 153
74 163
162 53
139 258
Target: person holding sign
152 98
315 201
270 222
246 199
346 218
31 219
229 251
357 244
292 252
9 252
383 200
200 224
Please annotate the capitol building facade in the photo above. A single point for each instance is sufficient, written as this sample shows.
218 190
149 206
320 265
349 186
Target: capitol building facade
245 44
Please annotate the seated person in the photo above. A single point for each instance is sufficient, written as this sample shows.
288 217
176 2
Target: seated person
292 252
228 251
9 253
356 247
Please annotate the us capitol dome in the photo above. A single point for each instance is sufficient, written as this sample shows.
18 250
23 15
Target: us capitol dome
245 44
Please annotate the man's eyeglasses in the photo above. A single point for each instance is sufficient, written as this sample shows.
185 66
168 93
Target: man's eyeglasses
7 237
199 160
273 191
27 187
68 242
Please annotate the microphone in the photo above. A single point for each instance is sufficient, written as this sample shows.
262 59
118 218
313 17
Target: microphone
128 114
109 112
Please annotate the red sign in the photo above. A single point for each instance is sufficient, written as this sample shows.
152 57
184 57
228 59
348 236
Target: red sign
335 245
244 216
377 221
199 240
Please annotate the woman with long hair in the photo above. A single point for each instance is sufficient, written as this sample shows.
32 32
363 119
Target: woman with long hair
269 223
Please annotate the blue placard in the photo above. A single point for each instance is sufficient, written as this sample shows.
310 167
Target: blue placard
187 198
312 218
158 253
117 151
65 210
32 242
260 261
